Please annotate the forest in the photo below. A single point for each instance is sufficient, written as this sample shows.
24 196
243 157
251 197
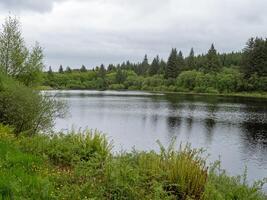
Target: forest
213 72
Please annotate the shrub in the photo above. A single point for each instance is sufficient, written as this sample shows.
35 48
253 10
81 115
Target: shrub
68 149
26 110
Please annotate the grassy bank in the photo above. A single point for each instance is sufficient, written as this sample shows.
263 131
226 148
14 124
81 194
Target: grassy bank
81 166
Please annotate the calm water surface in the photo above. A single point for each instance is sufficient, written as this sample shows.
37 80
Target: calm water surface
232 128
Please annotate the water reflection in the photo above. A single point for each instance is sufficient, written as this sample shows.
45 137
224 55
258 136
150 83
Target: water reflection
235 128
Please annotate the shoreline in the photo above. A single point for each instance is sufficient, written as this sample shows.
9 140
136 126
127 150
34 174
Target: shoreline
257 95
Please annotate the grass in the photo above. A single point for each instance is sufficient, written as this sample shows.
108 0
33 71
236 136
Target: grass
81 166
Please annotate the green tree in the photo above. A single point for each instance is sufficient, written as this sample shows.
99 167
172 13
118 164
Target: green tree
154 67
68 69
171 68
15 59
180 62
255 57
83 69
190 61
120 76
61 70
102 71
212 61
144 66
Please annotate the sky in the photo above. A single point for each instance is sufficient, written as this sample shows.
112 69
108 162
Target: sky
92 32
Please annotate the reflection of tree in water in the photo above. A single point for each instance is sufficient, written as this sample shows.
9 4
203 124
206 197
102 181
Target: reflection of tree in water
190 118
254 131
255 134
210 120
174 120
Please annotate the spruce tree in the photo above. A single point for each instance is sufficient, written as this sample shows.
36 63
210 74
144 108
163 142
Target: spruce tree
190 61
171 68
144 65
50 71
154 67
180 63
60 70
102 71
68 69
83 69
255 57
213 62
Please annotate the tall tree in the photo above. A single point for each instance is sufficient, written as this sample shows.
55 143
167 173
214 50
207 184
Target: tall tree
144 65
15 59
154 67
213 62
171 68
180 62
68 69
190 61
255 57
60 70
83 69
50 71
102 71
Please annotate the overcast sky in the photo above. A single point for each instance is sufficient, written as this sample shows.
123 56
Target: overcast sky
91 32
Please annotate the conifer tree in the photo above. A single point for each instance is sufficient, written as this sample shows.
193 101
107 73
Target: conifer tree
180 63
60 70
102 71
50 71
213 62
144 65
255 57
171 68
154 67
191 60
68 69
83 69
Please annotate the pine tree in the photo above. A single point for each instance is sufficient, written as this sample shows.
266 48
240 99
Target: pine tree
102 71
60 70
255 57
50 71
68 69
213 62
191 60
154 67
144 65
180 63
83 69
171 68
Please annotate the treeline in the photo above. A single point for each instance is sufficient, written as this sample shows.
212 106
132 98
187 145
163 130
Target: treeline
207 73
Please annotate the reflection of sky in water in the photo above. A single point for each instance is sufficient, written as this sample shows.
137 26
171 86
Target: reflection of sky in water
233 128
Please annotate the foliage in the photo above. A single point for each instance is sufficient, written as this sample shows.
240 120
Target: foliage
24 109
16 60
211 73
81 166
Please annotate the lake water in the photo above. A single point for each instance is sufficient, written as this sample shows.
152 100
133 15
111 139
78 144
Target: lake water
232 128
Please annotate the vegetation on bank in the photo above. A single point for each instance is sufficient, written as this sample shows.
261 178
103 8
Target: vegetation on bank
81 166
215 73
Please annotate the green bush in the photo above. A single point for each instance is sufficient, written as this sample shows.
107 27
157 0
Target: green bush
68 149
24 109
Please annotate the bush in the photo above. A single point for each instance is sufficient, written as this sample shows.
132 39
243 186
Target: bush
68 149
24 109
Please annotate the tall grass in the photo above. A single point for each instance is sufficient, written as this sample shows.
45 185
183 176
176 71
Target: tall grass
81 166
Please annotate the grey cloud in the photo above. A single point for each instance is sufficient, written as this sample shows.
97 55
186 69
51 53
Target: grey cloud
92 32
24 5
